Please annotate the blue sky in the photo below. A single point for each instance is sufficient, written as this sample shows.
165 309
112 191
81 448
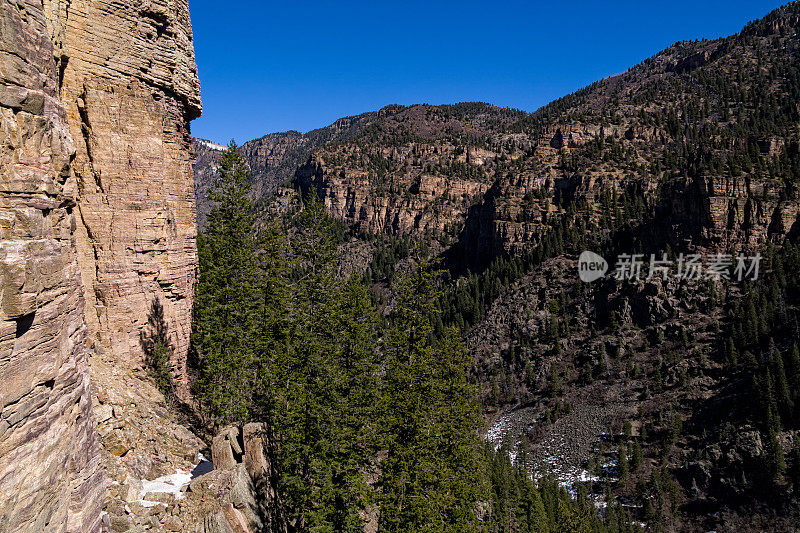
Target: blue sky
273 66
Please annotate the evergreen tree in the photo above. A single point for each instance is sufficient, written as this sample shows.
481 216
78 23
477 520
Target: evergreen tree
325 384
227 297
157 348
430 479
274 326
774 462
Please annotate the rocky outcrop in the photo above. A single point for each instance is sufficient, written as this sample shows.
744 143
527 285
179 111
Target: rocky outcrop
273 159
140 440
239 495
50 473
348 196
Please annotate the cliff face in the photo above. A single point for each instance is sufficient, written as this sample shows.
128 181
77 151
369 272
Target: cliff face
273 159
97 221
50 473
416 171
130 88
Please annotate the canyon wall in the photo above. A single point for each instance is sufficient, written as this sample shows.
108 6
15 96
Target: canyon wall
50 473
130 89
97 220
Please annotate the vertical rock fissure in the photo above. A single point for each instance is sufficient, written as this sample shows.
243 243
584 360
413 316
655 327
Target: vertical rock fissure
86 133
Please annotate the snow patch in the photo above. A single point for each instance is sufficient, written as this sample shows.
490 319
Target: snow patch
169 484
211 145
173 484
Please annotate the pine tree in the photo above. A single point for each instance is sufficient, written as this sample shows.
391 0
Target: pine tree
793 364
731 353
555 384
158 348
356 413
774 462
227 297
430 479
637 457
623 462
780 382
325 384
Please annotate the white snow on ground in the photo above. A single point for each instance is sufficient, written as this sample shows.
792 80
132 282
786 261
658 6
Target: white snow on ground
497 430
508 430
510 425
170 484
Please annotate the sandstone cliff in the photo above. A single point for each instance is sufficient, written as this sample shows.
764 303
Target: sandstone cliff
130 88
50 473
274 158
98 221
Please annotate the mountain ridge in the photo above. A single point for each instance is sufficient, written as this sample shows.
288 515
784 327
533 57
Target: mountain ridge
694 150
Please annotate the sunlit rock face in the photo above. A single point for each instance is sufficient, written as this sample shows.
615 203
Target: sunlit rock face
97 220
130 89
50 473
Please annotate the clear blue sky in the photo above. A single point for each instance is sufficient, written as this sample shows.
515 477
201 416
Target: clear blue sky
269 66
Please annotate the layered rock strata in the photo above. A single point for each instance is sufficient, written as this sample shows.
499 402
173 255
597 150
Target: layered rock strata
97 221
50 473
130 89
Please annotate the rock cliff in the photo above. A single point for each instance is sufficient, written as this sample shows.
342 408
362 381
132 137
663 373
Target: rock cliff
130 87
50 473
274 158
97 221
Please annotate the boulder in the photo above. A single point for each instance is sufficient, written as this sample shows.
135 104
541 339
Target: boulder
255 440
225 448
173 523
